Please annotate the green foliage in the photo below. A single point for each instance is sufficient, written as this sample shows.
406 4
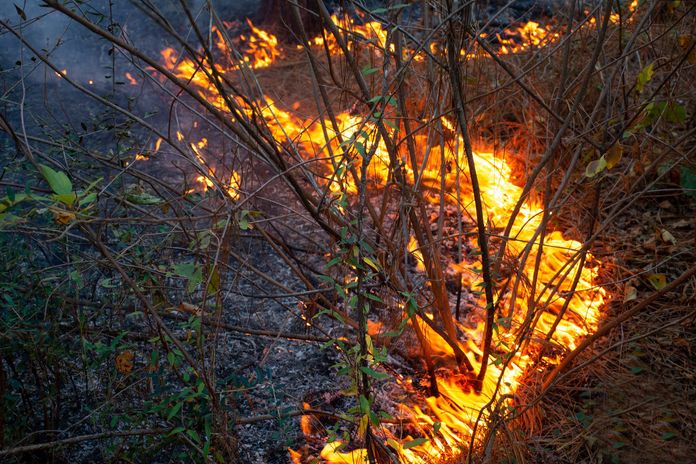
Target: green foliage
58 181
672 112
687 179
644 77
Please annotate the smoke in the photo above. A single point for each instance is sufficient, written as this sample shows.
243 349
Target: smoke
88 58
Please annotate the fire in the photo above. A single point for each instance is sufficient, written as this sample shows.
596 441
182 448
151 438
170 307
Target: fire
131 79
615 18
416 253
532 35
457 407
234 186
261 47
563 286
372 32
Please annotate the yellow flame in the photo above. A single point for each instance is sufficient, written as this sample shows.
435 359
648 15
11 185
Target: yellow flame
339 149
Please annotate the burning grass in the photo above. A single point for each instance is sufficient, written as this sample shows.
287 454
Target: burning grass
570 300
448 186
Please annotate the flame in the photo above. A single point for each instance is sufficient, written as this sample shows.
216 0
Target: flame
233 188
417 254
295 456
261 47
131 79
532 35
331 453
338 149
370 32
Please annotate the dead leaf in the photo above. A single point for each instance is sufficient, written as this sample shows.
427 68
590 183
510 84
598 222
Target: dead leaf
124 362
614 155
684 40
630 293
21 13
667 237
190 309
595 167
62 216
658 281
650 244
681 223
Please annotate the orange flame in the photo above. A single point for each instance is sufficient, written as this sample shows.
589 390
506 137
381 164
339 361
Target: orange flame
458 406
131 79
261 47
532 35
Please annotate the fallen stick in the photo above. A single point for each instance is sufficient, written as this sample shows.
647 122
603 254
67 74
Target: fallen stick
79 439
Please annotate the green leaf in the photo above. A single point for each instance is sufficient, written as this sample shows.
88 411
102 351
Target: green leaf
366 71
360 148
675 113
595 167
373 373
644 77
176 430
143 198
244 220
174 410
190 271
364 404
416 442
370 262
58 181
87 199
66 198
9 201
687 180
185 269
654 110
668 435
194 435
